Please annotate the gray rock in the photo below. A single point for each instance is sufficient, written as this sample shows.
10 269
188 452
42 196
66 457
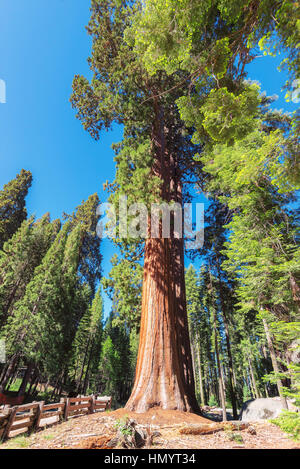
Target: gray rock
261 409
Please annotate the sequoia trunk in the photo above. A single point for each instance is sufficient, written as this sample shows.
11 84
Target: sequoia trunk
164 373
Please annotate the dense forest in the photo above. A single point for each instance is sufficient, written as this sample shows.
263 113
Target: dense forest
173 74
52 319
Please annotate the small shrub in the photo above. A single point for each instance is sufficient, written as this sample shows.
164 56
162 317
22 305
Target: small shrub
18 442
231 435
289 422
234 436
48 437
123 426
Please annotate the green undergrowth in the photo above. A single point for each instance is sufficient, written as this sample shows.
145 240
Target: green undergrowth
289 422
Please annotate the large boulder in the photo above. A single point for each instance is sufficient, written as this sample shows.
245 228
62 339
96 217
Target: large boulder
262 409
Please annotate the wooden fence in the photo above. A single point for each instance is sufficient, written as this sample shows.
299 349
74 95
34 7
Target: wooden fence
28 418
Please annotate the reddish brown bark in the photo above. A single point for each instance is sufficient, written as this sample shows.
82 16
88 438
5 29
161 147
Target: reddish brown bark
164 372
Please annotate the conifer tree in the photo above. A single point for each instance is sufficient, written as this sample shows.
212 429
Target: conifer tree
19 258
262 251
42 325
87 346
124 287
216 217
142 65
110 368
151 163
90 257
115 364
194 317
12 205
47 280
31 325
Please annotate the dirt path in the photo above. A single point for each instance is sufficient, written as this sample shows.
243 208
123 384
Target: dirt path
91 430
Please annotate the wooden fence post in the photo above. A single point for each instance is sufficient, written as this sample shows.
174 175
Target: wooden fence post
9 423
38 416
62 401
92 405
66 408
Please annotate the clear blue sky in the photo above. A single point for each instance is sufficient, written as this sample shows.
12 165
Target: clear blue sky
42 46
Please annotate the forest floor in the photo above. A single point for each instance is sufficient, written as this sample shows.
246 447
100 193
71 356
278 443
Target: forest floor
94 431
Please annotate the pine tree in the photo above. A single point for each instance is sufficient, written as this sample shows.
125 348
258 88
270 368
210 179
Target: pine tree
90 258
124 287
110 368
12 205
262 251
116 362
19 258
216 218
194 312
87 347
30 325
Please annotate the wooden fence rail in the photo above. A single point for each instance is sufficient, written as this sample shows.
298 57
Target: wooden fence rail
28 418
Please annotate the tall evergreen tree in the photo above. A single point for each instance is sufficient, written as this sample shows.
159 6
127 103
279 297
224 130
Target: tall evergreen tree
115 363
216 217
90 257
87 346
263 249
19 258
150 163
143 64
194 317
31 324
12 205
124 287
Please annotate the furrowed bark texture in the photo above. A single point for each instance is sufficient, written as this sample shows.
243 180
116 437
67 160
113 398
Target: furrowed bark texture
164 372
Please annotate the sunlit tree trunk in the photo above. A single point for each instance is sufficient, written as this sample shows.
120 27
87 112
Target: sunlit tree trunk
26 379
200 371
220 380
7 373
253 380
232 390
274 362
164 372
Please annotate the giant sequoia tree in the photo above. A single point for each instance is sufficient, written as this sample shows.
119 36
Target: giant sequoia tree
152 162
199 80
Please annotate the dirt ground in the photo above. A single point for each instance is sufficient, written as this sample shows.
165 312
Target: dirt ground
93 432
